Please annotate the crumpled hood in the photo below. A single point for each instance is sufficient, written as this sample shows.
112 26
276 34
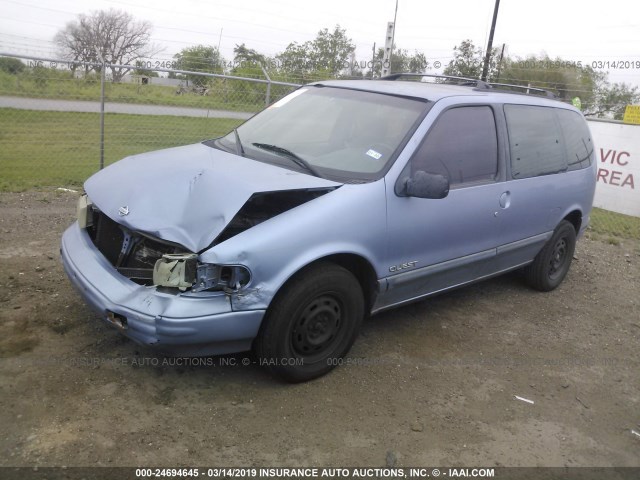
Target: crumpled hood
187 194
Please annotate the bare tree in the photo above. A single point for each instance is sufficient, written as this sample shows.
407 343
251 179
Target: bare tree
112 36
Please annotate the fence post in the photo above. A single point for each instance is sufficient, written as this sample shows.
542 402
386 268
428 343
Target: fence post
268 96
102 79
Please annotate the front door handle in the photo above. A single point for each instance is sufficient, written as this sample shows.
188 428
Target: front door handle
505 200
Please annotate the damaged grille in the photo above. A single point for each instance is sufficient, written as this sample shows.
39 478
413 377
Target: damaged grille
134 255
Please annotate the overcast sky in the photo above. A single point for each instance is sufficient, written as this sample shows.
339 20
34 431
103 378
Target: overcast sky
575 30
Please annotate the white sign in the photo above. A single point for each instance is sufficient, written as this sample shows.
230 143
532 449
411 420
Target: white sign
618 158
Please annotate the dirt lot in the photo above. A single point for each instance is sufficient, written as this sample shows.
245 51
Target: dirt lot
429 384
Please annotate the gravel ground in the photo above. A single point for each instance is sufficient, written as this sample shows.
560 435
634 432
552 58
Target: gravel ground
433 383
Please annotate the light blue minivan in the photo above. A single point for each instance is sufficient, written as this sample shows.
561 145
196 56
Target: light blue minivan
343 199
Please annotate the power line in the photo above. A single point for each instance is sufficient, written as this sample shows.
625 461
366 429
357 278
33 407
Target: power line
164 27
39 7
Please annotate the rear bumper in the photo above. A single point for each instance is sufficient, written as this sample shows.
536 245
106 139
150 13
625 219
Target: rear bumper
181 324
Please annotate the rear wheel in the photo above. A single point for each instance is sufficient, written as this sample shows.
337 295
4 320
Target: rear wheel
311 324
552 262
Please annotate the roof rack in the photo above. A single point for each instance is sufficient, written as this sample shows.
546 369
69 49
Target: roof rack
522 87
467 81
473 82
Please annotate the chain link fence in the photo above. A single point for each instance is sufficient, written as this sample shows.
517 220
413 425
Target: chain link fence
59 123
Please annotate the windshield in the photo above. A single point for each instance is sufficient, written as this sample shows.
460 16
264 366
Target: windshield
338 133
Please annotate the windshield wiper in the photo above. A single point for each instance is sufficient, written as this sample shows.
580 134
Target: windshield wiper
289 154
239 149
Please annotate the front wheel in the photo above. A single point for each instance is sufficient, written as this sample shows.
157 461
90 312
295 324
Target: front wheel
312 322
552 262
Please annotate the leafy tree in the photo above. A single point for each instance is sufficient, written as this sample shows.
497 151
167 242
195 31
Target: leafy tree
244 56
112 36
332 50
296 60
417 62
567 80
564 80
612 99
326 56
247 62
468 61
401 61
200 58
11 65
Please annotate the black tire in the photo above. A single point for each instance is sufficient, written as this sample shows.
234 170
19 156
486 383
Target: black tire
552 262
311 323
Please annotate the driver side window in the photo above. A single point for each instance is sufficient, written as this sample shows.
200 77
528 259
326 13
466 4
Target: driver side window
462 145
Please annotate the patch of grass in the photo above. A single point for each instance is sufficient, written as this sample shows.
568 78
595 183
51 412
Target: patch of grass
614 225
39 148
232 95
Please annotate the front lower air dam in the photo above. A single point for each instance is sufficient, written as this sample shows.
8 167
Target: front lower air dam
174 322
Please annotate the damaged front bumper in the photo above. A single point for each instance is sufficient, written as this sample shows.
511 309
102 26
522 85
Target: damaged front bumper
180 324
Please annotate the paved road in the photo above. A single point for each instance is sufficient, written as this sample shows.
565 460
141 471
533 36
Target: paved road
110 107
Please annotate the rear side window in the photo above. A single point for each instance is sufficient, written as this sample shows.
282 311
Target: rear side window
577 139
535 141
462 145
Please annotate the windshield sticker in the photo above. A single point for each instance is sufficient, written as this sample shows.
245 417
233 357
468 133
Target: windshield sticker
288 98
374 154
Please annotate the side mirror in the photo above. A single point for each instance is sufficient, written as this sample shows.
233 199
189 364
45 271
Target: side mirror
426 185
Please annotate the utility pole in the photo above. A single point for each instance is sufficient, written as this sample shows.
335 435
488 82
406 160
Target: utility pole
388 47
393 36
373 59
487 58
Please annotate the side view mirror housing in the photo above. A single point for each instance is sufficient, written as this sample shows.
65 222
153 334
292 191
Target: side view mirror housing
425 185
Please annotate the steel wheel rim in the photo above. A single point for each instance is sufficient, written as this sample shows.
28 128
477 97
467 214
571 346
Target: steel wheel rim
558 258
316 330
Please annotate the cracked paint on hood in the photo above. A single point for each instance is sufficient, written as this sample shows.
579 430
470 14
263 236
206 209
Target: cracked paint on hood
187 195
